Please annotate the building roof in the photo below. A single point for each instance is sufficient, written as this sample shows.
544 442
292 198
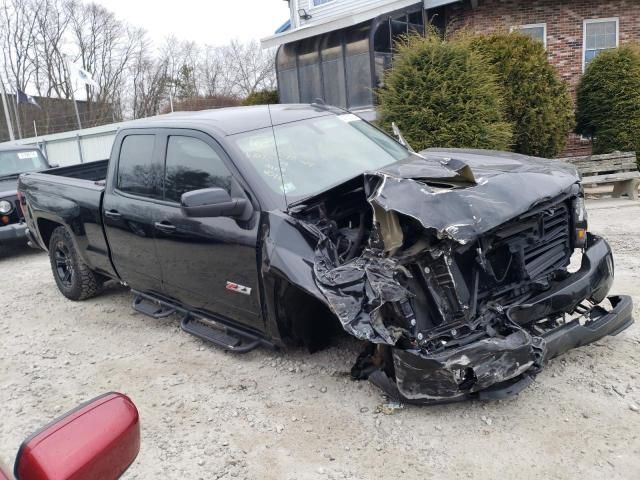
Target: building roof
284 27
343 21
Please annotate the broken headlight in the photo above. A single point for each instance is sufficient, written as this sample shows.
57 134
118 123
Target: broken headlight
580 222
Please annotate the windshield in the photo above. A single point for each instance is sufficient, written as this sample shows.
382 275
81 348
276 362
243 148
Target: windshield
14 163
316 154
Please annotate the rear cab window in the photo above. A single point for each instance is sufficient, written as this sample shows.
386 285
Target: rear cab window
139 173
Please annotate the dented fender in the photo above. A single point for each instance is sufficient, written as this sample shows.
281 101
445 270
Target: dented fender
459 271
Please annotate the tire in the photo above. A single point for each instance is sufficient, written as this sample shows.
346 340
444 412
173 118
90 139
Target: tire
74 278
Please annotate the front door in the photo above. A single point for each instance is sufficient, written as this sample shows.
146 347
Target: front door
130 211
207 263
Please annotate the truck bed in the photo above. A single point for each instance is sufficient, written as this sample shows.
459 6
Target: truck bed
70 197
94 172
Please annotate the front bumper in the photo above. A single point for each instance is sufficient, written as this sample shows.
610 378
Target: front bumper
13 231
497 367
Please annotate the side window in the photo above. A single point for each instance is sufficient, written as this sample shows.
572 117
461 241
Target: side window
193 165
599 35
537 31
137 171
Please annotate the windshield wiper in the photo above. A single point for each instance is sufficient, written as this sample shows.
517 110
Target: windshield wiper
10 176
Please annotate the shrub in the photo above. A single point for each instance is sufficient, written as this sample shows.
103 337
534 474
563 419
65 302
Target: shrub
537 101
608 104
264 97
443 94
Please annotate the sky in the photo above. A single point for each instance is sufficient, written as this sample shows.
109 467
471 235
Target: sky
212 22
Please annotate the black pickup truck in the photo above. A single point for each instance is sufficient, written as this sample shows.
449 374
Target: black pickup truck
273 225
14 160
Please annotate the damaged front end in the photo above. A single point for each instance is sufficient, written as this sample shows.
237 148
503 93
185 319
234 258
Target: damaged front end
453 267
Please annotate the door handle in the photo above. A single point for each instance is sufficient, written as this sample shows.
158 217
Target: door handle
165 227
113 214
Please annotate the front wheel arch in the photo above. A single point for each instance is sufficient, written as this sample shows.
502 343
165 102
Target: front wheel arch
304 319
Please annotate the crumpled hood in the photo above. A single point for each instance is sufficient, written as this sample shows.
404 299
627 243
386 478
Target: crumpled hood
8 188
462 194
457 196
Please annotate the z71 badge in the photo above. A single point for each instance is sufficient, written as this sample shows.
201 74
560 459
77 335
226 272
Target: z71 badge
234 287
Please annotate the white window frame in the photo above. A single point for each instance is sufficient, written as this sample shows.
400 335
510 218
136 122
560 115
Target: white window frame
532 25
313 6
584 34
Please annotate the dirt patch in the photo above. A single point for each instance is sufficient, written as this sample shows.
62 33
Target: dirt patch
290 415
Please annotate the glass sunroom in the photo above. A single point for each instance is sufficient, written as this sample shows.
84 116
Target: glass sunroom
343 67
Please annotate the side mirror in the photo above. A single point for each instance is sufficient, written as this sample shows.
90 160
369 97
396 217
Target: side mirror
212 202
54 165
98 440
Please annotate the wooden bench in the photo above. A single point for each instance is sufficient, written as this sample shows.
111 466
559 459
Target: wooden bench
618 168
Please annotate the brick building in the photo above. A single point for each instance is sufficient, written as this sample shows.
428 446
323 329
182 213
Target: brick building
337 50
573 31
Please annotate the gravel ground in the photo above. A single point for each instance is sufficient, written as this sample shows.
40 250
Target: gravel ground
290 415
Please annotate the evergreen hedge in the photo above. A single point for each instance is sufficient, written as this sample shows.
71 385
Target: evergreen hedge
537 101
264 97
608 103
443 94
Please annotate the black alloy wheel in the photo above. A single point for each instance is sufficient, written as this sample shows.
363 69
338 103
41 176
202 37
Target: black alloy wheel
74 278
64 264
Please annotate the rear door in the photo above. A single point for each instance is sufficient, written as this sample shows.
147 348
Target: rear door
203 258
130 208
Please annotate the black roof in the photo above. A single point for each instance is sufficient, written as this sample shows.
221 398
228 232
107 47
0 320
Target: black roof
233 120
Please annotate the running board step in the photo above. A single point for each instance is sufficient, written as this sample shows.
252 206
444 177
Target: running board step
228 338
218 332
148 306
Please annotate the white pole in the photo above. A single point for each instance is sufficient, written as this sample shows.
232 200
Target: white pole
35 129
171 100
12 137
295 18
73 93
15 98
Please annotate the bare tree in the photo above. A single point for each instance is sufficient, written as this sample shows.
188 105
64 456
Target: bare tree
106 47
51 25
17 42
38 37
252 68
182 60
215 77
151 83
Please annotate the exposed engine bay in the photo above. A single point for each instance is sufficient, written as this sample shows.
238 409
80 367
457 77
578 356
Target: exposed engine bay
457 276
